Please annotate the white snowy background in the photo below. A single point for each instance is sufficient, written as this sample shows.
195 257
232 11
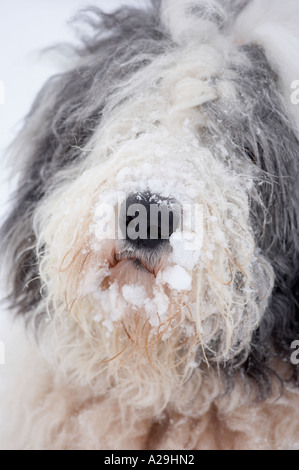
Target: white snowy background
26 28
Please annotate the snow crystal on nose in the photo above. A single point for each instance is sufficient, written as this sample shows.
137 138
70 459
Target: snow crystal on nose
180 256
177 278
134 294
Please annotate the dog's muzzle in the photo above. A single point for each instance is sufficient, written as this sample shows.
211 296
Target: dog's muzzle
148 220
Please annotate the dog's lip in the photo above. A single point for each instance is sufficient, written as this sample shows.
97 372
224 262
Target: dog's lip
137 261
125 255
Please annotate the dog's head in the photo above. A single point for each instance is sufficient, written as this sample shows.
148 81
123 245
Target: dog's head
155 227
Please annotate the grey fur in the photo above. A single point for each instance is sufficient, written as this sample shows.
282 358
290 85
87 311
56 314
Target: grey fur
262 131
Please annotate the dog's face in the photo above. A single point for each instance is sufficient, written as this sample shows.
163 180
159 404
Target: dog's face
156 219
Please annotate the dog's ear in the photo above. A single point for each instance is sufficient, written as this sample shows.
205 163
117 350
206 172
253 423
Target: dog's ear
274 25
187 19
62 119
51 140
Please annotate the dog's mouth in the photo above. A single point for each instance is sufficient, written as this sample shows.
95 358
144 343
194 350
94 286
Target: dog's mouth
146 263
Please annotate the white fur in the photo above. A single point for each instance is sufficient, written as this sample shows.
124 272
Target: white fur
157 150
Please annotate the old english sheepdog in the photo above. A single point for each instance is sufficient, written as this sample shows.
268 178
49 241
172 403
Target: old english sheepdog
152 248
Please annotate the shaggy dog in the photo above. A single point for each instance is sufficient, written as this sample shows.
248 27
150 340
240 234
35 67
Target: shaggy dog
180 338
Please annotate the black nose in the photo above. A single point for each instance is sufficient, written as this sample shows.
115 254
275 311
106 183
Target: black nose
148 220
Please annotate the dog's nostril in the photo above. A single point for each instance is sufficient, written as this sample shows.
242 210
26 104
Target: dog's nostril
148 220
130 218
